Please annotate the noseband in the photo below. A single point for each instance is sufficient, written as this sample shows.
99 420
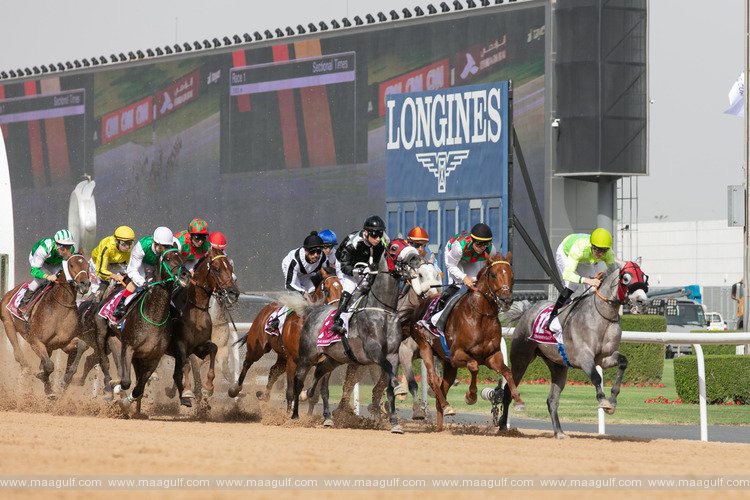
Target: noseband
494 299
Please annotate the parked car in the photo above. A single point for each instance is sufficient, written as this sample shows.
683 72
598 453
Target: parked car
683 315
715 322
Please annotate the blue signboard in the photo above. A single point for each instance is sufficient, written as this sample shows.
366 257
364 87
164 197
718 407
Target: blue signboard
447 157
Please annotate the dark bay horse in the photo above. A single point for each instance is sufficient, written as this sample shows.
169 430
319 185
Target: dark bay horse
328 290
473 334
374 335
591 334
53 321
191 330
147 331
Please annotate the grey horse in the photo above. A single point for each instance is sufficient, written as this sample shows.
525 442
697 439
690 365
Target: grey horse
374 336
591 334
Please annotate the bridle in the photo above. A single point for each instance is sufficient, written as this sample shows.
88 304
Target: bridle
623 289
71 280
492 297
325 290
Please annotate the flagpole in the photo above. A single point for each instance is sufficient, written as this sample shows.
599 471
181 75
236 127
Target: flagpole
746 161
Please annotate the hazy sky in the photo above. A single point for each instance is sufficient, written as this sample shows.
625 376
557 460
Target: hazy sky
696 53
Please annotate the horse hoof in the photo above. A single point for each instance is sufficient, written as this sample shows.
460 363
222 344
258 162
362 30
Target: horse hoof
561 435
303 396
448 411
418 415
125 404
186 402
397 429
116 390
606 406
187 393
234 390
519 407
328 423
400 390
470 399
108 397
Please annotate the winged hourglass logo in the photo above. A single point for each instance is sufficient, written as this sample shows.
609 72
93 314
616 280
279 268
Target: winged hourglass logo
442 163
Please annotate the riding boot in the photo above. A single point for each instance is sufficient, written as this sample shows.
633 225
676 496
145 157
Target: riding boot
449 292
120 309
338 323
562 299
25 300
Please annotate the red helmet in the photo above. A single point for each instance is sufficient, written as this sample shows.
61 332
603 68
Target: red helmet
198 226
418 234
217 240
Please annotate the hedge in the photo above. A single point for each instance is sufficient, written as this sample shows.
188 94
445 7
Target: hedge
717 349
727 378
645 361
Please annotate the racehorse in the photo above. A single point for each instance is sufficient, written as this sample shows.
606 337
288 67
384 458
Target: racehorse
191 333
147 331
328 290
52 321
591 337
373 336
472 333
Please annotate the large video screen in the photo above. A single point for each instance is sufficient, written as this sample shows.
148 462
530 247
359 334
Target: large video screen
266 143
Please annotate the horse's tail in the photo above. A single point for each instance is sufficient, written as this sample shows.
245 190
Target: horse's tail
240 340
295 302
515 312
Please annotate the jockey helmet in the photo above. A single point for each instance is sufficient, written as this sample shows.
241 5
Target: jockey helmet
163 236
481 232
601 238
328 237
374 223
63 237
198 226
313 241
418 234
218 240
124 233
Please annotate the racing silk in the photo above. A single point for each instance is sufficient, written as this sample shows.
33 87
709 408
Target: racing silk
577 249
190 254
142 255
297 271
106 254
44 254
460 258
355 248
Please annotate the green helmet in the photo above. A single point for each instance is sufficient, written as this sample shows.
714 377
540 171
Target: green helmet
601 238
63 237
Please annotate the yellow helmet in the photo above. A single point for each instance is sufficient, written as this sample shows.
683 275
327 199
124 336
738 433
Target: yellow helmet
124 233
601 238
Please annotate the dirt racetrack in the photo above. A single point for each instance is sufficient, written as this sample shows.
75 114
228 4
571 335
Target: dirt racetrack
80 435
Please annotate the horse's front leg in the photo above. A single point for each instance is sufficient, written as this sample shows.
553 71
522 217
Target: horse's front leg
47 366
210 349
622 363
589 367
497 363
74 350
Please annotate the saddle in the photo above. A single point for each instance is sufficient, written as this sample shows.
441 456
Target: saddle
36 295
441 317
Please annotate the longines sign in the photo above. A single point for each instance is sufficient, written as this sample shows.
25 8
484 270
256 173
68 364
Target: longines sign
447 144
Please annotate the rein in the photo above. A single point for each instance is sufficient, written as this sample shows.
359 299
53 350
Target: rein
494 298
171 278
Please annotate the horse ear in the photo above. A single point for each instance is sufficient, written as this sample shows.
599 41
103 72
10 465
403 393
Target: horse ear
509 256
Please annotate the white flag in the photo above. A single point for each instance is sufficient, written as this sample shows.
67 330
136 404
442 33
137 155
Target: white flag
737 97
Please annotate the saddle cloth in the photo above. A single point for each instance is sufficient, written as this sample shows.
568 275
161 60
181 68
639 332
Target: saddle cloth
279 313
540 333
326 337
15 301
426 322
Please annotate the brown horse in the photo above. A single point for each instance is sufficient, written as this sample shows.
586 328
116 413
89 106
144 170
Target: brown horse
53 322
328 291
473 334
191 333
147 332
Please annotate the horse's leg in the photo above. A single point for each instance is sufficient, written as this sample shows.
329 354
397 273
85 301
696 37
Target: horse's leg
101 353
377 392
346 390
375 352
449 376
195 369
589 367
622 364
291 368
10 332
406 357
434 381
255 351
274 373
47 366
559 375
497 363
91 361
117 349
522 353
299 382
210 349
126 360
75 351
327 420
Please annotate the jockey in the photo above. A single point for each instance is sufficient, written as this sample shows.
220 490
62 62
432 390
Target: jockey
577 258
329 241
193 242
301 263
46 259
110 258
143 259
359 251
419 239
465 255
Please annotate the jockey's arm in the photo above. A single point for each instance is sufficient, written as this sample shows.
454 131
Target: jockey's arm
36 260
346 260
135 270
102 270
452 266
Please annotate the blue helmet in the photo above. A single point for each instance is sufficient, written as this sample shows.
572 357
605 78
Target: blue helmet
328 237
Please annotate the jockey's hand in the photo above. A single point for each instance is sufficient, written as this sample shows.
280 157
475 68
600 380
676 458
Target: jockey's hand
596 283
52 278
469 283
117 277
360 269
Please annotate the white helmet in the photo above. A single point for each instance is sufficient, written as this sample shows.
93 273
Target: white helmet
163 236
63 237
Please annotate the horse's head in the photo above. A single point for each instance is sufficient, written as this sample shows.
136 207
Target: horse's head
495 280
328 288
77 273
406 264
633 284
216 272
171 267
